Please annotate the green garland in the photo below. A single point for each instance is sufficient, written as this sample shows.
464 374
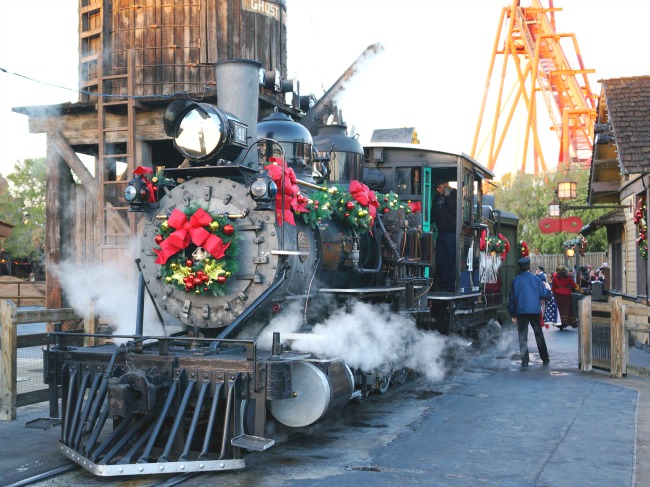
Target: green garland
319 209
349 211
338 202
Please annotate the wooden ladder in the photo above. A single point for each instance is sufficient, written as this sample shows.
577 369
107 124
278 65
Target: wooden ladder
116 115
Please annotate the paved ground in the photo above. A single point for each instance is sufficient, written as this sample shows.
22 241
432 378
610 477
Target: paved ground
492 424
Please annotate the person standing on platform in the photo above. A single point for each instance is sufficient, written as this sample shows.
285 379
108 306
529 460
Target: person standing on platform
563 287
525 308
443 214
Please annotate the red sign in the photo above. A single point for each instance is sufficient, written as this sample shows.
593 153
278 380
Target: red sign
572 224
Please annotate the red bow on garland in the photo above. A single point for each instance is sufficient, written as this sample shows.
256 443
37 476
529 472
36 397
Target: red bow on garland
190 231
365 197
288 197
415 206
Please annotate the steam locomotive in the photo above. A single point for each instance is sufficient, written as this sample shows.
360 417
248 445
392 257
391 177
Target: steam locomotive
265 234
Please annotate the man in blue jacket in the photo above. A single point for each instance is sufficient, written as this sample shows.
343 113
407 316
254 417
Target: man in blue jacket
525 307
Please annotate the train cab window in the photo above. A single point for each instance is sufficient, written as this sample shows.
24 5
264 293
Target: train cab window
408 180
469 190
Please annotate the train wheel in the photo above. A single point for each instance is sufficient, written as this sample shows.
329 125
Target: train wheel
401 376
384 382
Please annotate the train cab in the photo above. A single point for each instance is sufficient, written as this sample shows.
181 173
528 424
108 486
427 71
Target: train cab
414 173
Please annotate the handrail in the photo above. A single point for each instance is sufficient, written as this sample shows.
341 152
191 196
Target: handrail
10 318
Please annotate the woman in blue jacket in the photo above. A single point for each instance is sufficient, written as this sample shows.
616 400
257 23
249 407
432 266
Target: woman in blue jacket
525 307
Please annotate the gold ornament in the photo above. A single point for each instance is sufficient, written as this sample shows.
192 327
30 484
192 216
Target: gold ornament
214 225
165 225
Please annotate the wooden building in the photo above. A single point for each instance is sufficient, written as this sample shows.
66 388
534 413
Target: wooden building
620 173
135 57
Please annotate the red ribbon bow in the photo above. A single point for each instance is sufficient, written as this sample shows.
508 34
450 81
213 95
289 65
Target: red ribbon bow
287 196
190 231
415 206
365 197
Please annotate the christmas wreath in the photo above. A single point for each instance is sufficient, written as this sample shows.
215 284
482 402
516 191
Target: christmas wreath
496 244
212 241
642 228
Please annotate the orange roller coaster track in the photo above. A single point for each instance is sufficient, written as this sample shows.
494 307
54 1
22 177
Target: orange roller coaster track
530 43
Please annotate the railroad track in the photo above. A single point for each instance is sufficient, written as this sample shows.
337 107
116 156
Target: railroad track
58 476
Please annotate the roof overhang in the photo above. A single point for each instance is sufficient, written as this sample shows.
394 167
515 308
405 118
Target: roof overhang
612 218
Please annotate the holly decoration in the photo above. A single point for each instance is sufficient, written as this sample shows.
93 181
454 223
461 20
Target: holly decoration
196 251
642 228
523 249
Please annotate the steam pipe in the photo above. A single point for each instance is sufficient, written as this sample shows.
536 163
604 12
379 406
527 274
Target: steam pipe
324 106
139 314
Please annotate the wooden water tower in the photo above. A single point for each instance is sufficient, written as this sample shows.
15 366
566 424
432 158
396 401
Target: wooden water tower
135 57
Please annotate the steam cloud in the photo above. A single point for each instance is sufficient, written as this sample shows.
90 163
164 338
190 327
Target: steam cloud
113 294
368 337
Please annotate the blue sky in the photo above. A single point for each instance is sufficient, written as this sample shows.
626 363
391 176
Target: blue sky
430 75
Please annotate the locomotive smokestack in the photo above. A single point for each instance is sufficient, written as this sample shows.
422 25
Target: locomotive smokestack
238 93
324 106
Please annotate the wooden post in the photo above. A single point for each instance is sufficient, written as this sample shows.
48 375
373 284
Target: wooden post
617 337
8 357
584 343
90 324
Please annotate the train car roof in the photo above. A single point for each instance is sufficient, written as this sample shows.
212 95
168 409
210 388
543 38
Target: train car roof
487 174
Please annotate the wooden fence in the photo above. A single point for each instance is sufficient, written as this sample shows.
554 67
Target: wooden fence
551 261
23 293
10 318
625 319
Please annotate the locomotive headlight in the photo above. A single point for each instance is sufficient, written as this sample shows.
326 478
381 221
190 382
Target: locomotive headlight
202 132
259 188
263 191
136 194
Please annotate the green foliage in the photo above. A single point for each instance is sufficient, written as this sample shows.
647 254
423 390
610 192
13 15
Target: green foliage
528 197
23 205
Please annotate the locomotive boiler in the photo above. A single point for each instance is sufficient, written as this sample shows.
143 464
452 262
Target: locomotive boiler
262 219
